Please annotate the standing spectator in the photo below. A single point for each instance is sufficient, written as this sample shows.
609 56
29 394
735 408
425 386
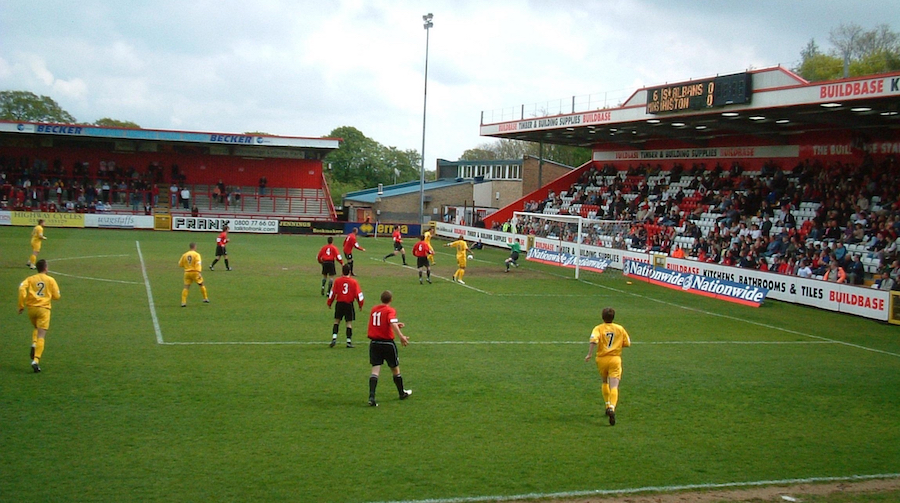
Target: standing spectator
346 290
327 255
421 251
383 326
185 197
221 251
262 185
192 265
35 293
398 246
173 195
609 338
350 243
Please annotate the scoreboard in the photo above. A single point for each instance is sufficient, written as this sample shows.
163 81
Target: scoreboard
715 92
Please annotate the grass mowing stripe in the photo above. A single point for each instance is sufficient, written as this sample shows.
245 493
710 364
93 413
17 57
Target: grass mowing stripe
654 489
159 336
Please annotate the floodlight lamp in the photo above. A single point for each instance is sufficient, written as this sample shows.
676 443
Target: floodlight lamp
427 17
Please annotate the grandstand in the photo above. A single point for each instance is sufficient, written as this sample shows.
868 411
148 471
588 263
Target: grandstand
772 151
129 169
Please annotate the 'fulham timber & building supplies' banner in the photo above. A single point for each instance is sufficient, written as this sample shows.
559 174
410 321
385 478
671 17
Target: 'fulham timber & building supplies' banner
697 284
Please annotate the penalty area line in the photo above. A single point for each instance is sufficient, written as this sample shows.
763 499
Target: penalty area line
57 273
437 276
652 489
159 336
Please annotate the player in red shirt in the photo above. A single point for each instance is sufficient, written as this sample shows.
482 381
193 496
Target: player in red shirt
398 246
349 244
422 251
327 255
345 291
383 324
221 241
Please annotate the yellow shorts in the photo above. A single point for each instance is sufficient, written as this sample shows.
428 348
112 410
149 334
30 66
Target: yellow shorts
192 277
610 366
461 261
36 245
40 317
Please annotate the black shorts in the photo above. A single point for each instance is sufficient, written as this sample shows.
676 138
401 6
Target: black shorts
344 311
381 351
514 256
220 250
422 262
398 246
328 268
349 257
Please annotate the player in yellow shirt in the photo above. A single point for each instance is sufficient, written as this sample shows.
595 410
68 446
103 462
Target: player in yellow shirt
37 238
35 293
190 262
428 235
609 338
462 248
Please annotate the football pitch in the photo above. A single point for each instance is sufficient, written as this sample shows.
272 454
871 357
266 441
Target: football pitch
243 400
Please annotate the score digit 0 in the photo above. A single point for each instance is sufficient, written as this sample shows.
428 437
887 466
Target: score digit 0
711 87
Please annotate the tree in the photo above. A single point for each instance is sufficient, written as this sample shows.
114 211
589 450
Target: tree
517 149
855 52
24 106
107 122
361 162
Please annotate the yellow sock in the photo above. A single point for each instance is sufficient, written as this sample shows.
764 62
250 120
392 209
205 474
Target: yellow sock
613 397
33 259
39 349
605 389
34 338
462 272
184 296
203 291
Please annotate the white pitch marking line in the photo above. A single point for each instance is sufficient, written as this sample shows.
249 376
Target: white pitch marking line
57 273
654 489
734 318
159 336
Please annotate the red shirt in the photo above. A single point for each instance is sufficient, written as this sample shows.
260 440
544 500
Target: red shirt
397 236
345 289
421 249
350 243
329 253
380 322
222 240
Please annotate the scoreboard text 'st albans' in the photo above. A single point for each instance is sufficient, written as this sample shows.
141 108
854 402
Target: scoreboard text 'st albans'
715 92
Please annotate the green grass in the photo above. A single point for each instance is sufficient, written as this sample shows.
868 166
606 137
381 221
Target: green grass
713 393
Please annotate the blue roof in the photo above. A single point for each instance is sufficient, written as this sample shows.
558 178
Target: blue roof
369 195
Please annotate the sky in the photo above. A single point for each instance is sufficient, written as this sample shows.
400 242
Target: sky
303 68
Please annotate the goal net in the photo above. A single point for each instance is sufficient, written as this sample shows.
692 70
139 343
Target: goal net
565 236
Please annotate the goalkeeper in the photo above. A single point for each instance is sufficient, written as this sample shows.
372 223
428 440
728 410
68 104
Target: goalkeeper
515 250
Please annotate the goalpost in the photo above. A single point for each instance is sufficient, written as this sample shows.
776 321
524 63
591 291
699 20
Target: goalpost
572 230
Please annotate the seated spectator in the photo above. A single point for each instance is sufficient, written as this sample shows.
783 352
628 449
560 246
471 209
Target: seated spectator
835 273
885 282
856 272
804 271
677 252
